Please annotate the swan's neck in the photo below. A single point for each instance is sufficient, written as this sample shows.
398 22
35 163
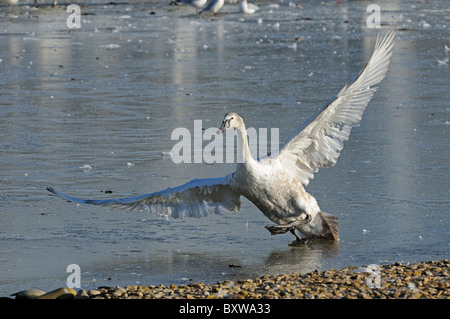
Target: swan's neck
243 146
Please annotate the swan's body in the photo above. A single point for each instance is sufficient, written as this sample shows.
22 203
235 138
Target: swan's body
275 184
247 8
214 6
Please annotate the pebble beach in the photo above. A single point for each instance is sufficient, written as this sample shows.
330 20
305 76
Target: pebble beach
423 280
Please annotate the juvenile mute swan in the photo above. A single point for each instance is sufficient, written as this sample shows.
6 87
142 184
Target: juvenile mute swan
275 184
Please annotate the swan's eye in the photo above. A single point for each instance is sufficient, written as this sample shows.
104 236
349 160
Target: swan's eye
232 118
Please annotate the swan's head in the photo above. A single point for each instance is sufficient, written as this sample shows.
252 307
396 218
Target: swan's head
230 120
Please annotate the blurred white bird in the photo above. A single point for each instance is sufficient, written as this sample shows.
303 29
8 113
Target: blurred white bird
214 6
276 183
54 3
195 3
247 8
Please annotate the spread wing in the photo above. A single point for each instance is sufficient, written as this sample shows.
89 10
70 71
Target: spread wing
318 142
199 197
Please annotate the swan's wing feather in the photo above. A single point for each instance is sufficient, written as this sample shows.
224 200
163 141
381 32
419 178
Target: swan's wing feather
197 198
318 141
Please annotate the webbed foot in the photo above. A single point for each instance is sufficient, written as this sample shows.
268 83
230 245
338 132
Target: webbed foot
299 240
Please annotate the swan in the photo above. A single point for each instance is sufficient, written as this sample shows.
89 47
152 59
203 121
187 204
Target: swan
275 184
247 8
214 6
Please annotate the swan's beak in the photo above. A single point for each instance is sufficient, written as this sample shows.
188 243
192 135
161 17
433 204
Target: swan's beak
222 128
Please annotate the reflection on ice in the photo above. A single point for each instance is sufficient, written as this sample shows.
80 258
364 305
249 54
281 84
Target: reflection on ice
182 267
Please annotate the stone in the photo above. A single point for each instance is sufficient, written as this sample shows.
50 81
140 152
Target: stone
60 293
82 294
28 294
94 292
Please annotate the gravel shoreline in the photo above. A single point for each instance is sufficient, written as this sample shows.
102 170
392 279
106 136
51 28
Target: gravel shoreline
429 280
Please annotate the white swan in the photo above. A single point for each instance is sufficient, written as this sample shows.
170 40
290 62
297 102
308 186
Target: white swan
275 184
247 8
214 6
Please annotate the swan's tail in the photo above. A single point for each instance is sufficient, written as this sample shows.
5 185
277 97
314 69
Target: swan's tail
330 225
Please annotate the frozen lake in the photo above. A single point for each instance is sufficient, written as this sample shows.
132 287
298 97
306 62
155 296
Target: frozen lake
91 111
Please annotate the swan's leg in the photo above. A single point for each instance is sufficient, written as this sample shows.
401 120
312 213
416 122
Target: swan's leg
284 228
298 238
